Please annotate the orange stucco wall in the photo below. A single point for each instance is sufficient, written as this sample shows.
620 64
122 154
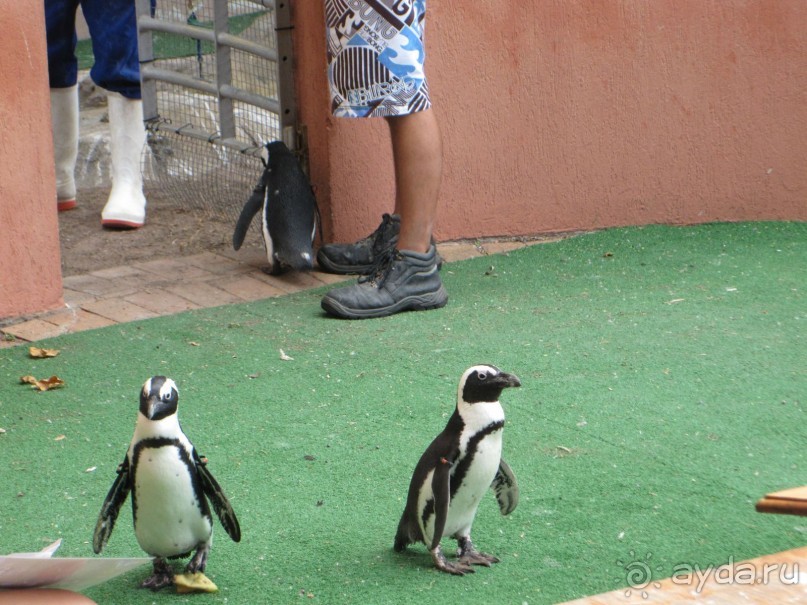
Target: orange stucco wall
30 267
556 115
581 114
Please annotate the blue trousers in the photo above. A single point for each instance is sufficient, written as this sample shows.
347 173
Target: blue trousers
113 31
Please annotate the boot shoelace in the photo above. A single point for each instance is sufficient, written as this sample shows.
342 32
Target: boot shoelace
382 237
382 267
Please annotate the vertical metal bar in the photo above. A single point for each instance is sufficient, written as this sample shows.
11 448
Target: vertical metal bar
285 66
223 68
145 47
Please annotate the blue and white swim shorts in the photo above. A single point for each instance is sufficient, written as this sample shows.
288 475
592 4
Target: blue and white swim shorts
376 56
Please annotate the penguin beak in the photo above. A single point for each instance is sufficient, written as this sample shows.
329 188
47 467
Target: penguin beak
153 406
508 380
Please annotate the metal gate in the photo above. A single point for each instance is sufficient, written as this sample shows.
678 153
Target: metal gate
217 85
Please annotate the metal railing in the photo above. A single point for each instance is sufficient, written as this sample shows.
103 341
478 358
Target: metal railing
220 42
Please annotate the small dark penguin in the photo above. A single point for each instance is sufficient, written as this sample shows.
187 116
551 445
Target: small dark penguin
170 486
289 215
457 469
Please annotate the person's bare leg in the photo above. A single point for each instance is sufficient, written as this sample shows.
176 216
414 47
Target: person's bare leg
408 280
417 150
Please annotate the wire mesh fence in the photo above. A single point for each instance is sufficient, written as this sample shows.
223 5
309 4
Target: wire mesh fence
204 146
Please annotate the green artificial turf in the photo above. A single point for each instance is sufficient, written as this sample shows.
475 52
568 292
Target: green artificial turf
663 375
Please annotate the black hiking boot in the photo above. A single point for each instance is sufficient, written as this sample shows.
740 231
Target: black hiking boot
400 281
361 256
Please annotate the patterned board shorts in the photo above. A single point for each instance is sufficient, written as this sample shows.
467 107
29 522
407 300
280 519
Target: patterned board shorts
375 57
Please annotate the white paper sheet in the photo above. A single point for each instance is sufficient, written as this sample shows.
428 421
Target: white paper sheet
41 570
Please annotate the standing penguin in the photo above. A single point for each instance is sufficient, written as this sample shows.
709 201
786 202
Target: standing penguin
457 469
170 486
289 215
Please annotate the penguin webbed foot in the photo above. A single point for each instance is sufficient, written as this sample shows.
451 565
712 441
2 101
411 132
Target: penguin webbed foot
478 558
468 555
443 564
199 560
274 270
163 576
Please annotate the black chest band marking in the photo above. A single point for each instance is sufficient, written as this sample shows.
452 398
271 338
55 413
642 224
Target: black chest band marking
465 463
184 456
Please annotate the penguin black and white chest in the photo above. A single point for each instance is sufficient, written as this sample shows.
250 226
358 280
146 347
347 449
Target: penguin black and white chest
457 469
170 487
289 213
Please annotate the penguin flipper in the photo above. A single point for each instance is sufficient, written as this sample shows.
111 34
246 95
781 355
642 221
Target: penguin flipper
251 208
441 488
505 487
109 510
214 493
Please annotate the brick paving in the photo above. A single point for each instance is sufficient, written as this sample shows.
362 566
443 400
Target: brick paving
166 286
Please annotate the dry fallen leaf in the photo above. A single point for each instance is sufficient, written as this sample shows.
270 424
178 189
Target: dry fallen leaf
194 582
60 438
45 384
38 353
285 357
91 469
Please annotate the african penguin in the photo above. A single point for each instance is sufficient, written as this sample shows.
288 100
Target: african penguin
289 214
170 486
456 470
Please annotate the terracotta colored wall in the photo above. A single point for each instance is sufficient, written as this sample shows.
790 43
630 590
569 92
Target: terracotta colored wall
582 114
557 115
30 267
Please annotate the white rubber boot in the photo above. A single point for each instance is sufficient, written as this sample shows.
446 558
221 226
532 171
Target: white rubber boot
64 123
126 206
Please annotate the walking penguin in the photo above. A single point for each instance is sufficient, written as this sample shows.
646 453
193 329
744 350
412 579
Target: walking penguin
289 214
457 469
170 486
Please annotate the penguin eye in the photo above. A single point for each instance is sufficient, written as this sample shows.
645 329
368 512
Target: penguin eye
482 375
168 396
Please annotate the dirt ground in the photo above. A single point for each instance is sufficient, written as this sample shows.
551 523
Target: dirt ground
170 231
